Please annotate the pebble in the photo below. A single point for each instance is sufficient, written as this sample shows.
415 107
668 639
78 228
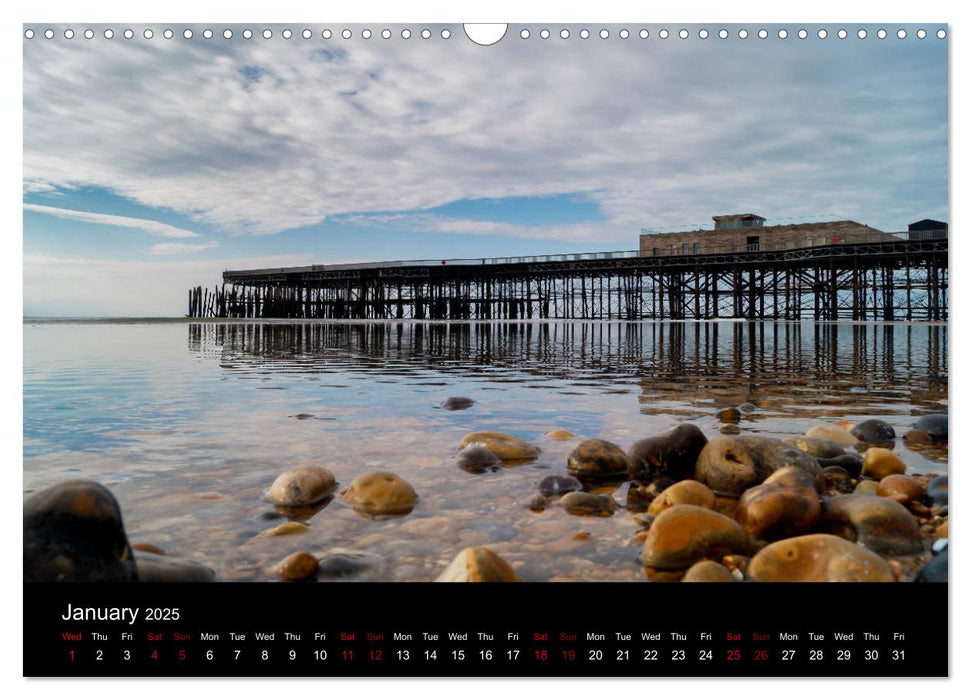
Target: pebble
748 407
941 530
874 431
557 485
708 572
817 446
538 502
730 465
477 459
688 492
681 535
852 463
879 524
380 493
144 547
560 434
935 571
348 564
297 566
456 403
867 487
478 565
729 415
836 480
784 505
291 527
583 503
935 425
900 488
879 462
917 437
672 454
504 446
597 459
301 487
831 432
73 532
155 568
937 490
818 558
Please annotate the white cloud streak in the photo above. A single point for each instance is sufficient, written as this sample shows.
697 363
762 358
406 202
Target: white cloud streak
180 248
156 228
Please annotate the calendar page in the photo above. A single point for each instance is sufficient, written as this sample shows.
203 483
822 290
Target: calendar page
641 328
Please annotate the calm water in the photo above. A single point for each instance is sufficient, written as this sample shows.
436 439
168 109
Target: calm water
188 423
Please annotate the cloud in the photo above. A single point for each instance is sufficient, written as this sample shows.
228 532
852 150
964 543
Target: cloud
178 248
579 232
257 137
156 228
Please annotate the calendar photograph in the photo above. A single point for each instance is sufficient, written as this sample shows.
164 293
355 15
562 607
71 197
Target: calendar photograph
360 309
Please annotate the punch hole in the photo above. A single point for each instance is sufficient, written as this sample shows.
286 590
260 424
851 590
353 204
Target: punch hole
763 34
901 33
148 34
89 34
624 33
743 33
187 34
346 33
68 33
306 33
524 34
227 34
604 34
287 34
822 34
861 34
405 33
29 34
584 33
327 34
841 33
385 34
129 34
722 33
544 34
248 34
643 34
702 34
803 34
207 34
446 33
426 34
564 33
267 33
486 34
881 34
783 34
941 34
168 33
921 34
664 34
365 33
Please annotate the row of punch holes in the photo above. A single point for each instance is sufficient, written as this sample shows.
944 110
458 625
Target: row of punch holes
446 33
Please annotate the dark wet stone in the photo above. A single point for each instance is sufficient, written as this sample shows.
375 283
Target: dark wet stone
785 505
154 568
583 503
597 459
935 571
477 459
456 403
270 515
730 429
935 425
836 480
538 502
748 407
348 564
730 465
73 532
937 490
852 463
729 415
303 416
874 431
557 485
671 454
879 524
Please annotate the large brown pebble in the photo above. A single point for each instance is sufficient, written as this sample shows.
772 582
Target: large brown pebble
730 465
917 437
504 446
708 572
818 558
879 462
560 434
478 565
879 524
832 432
156 568
583 503
671 454
297 566
816 446
73 532
681 535
597 459
729 415
900 488
301 487
380 493
688 492
291 527
786 504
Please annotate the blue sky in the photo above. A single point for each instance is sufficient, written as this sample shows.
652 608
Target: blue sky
152 165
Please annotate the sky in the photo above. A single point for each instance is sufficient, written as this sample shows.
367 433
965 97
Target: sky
152 165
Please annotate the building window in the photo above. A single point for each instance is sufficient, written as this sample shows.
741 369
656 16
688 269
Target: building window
751 243
697 248
684 249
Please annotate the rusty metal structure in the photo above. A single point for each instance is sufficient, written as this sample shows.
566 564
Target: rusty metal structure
883 277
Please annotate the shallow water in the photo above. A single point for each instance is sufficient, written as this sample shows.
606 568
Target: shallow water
188 423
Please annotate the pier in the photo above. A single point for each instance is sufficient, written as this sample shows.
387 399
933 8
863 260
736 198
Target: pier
862 277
